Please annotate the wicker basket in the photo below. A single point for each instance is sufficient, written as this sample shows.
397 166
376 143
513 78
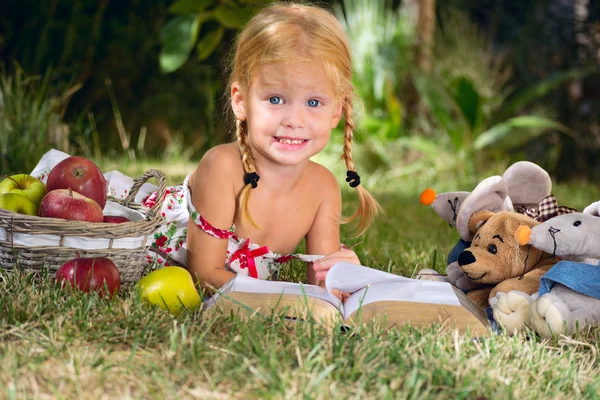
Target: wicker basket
126 244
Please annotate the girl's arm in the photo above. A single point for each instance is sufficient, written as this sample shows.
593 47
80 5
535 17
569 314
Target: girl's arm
324 234
214 197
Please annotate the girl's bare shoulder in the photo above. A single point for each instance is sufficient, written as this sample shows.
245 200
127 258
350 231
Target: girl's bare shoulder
223 155
222 163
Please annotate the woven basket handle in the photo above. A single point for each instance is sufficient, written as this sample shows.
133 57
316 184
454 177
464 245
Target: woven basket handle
160 196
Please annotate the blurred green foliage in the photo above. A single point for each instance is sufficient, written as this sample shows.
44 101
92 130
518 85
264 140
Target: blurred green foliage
92 48
147 80
470 98
29 120
545 40
200 25
382 39
470 109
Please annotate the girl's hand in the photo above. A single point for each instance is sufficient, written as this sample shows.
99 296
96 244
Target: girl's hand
323 265
340 295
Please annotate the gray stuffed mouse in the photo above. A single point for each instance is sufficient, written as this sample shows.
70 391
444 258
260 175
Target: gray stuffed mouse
569 296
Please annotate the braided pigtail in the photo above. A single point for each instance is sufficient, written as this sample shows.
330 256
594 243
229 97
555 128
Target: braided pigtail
250 176
368 207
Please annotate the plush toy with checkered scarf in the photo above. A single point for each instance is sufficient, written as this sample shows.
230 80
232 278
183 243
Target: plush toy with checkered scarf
569 296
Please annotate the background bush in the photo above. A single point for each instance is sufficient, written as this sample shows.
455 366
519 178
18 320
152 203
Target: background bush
147 79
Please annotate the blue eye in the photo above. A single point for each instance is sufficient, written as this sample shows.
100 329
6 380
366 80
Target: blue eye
313 103
275 100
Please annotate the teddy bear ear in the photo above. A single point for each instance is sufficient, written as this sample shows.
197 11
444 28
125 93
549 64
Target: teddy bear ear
528 183
516 220
478 219
490 195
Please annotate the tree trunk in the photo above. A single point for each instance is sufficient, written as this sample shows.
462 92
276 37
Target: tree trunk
425 31
575 158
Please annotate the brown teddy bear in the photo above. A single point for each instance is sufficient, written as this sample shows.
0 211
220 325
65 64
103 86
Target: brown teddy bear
495 262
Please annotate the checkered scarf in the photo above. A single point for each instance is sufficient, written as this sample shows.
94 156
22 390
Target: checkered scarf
548 208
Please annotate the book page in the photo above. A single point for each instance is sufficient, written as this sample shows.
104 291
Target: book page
347 277
407 290
245 284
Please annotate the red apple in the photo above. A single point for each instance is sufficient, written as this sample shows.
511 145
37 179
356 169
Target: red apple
90 274
115 219
67 204
81 175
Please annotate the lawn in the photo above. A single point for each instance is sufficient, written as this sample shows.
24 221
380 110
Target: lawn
57 345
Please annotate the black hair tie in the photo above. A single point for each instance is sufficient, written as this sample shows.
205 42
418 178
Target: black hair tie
252 179
352 178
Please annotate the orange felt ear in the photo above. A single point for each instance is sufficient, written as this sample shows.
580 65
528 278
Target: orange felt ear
478 219
523 235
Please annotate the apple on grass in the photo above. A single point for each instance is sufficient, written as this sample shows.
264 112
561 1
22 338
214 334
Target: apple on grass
81 175
97 274
30 187
67 204
170 288
17 203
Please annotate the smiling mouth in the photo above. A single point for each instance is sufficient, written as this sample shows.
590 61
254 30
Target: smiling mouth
475 279
284 140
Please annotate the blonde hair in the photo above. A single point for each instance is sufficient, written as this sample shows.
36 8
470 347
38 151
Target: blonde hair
293 33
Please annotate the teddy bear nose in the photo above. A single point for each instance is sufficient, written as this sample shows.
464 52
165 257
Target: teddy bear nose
466 258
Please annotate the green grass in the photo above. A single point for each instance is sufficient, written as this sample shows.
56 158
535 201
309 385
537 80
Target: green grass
59 345
175 171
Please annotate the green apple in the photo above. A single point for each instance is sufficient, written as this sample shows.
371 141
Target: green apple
170 288
26 185
17 203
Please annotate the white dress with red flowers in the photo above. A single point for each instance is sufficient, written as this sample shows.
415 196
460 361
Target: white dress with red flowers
169 245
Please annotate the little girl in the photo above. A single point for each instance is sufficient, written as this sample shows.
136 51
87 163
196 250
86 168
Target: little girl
251 202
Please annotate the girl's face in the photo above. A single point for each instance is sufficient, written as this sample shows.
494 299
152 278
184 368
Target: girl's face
290 111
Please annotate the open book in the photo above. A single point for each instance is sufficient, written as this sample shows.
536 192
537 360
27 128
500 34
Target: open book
374 295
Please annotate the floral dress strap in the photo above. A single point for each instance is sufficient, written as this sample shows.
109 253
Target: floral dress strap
211 230
201 222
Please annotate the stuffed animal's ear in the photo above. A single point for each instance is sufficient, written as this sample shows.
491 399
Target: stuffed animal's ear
478 219
446 205
512 223
593 209
528 183
489 195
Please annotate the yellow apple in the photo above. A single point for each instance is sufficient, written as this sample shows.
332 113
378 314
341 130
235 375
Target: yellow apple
17 203
170 288
25 185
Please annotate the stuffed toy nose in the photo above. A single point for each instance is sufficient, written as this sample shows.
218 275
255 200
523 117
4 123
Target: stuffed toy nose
466 258
427 197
